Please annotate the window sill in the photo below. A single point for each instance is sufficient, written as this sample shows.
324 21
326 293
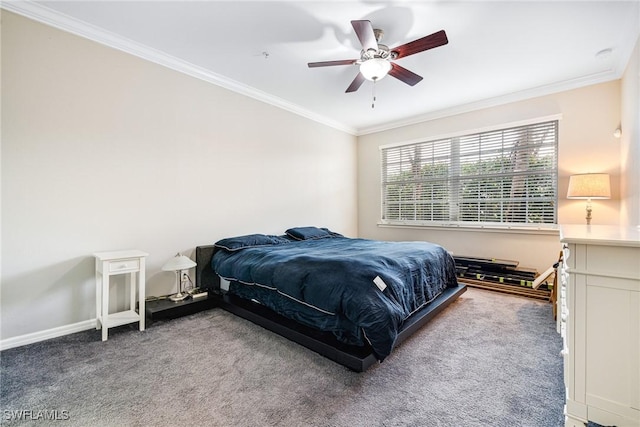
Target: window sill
546 229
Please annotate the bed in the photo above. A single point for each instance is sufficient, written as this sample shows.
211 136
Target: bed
351 300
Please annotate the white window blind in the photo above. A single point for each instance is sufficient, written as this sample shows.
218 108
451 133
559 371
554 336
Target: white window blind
506 176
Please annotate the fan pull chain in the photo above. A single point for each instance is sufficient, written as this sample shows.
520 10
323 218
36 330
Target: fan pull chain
373 94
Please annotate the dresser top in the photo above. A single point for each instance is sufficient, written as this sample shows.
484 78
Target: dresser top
600 234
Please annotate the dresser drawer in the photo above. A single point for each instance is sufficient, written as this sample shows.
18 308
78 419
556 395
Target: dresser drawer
124 265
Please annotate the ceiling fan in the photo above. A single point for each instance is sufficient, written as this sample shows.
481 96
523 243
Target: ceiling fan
376 59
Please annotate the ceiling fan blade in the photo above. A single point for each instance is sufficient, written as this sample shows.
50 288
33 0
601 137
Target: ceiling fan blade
331 63
420 45
404 75
356 83
365 34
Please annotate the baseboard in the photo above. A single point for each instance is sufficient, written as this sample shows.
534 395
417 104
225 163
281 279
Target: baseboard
47 334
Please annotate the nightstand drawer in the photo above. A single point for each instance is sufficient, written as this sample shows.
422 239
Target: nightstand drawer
124 265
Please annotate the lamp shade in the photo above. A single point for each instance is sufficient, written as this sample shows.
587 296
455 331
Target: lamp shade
375 68
178 262
589 186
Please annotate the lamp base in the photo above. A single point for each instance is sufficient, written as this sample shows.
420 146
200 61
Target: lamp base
589 210
179 297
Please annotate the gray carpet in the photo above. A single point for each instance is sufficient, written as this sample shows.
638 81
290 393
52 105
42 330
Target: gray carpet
487 360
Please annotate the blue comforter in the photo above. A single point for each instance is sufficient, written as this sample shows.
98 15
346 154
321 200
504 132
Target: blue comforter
361 290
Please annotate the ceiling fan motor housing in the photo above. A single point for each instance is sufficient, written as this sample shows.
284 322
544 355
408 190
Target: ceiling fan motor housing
382 51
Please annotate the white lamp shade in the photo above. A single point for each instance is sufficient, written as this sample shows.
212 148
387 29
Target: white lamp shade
375 68
178 262
589 186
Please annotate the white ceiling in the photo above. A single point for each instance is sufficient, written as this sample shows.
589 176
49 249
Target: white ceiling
498 51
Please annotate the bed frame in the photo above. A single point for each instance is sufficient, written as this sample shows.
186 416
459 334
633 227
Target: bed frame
356 358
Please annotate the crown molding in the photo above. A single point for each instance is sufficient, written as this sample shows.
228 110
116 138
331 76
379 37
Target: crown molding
63 22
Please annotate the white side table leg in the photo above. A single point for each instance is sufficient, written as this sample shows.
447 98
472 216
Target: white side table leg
132 291
98 297
141 294
105 305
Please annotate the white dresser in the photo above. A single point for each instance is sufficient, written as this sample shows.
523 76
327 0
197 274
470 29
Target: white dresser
599 307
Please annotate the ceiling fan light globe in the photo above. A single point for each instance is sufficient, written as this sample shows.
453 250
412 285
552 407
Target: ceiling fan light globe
375 68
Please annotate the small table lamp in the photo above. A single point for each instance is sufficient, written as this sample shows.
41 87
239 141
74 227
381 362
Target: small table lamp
589 186
177 264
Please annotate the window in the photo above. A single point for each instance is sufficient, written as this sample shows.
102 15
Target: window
506 176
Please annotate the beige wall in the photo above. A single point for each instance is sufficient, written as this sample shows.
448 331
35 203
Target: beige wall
586 144
630 142
104 151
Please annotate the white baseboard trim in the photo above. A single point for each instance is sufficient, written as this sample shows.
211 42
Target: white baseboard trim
47 334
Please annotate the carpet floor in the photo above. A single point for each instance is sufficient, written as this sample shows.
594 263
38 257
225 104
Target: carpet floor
488 359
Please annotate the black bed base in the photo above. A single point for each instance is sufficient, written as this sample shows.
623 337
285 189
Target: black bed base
356 358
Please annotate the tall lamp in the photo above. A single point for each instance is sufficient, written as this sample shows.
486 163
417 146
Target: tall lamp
177 264
589 186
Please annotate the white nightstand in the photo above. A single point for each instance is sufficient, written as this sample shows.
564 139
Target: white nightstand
119 262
